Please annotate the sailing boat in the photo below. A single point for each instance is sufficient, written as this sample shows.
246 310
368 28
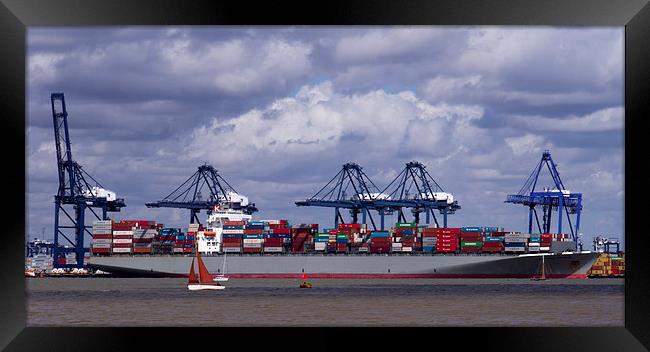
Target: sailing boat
222 277
543 274
204 279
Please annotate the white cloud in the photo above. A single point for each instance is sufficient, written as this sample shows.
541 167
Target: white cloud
318 120
526 144
443 88
380 44
608 119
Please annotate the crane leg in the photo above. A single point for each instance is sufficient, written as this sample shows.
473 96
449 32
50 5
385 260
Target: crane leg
444 217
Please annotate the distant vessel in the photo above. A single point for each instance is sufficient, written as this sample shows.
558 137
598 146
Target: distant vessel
204 279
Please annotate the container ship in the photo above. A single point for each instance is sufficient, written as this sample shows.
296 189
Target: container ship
277 249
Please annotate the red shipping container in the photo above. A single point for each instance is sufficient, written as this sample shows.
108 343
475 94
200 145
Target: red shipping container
102 236
492 244
232 244
253 232
101 250
141 250
142 240
281 231
233 223
273 243
122 245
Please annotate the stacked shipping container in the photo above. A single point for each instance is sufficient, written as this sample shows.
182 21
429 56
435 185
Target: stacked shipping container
471 239
102 237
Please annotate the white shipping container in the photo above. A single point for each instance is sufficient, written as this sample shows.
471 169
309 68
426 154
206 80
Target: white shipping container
407 249
273 249
101 245
122 232
100 241
516 238
252 245
253 240
515 249
363 249
544 248
122 240
178 250
233 232
319 246
102 222
397 245
231 249
121 250
102 232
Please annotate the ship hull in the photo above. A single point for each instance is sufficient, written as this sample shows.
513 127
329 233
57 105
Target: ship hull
573 265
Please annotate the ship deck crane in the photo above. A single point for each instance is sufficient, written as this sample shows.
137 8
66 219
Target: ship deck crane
220 194
557 199
349 189
416 189
75 194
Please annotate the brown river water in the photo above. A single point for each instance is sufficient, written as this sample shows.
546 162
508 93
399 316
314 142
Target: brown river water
331 302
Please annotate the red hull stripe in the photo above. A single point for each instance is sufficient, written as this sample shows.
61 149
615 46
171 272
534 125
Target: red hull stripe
401 276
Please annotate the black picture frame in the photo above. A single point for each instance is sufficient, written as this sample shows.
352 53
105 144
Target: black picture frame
16 15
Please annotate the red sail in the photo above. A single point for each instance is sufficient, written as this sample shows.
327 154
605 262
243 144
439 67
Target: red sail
192 279
204 275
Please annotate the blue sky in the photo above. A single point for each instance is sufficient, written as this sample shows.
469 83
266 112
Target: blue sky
278 110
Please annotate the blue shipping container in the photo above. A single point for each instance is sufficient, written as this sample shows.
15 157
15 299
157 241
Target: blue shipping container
471 229
407 232
380 234
515 244
493 239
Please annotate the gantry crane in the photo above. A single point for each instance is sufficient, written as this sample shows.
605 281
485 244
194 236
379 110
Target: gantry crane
349 189
550 199
415 189
74 193
220 194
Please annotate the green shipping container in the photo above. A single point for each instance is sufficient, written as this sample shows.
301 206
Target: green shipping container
471 244
405 224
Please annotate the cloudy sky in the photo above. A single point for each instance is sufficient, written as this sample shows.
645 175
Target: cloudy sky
278 110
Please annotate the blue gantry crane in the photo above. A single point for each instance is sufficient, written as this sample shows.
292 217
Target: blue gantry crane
349 189
416 189
75 194
189 195
549 199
